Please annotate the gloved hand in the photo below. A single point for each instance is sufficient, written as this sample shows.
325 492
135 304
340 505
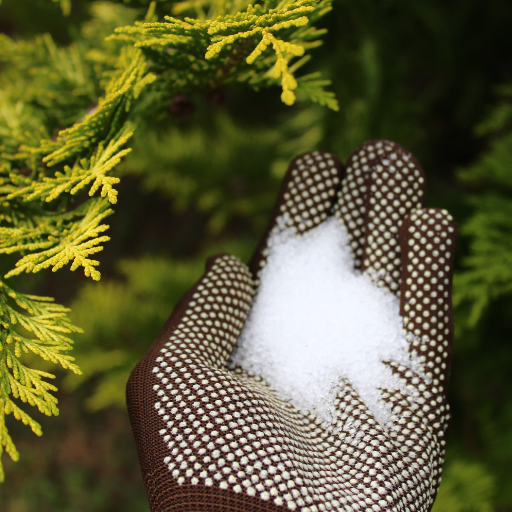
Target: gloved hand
212 439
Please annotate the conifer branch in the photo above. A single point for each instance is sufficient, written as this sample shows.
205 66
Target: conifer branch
67 115
20 316
74 243
313 87
488 268
83 172
205 42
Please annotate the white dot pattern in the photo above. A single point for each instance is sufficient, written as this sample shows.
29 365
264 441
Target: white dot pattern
229 442
232 431
306 198
382 185
428 238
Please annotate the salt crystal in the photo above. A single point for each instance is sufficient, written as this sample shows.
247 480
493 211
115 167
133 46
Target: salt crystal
316 320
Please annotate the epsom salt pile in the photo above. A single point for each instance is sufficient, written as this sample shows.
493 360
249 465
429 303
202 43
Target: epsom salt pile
316 320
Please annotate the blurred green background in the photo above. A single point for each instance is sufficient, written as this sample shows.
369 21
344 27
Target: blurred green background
434 76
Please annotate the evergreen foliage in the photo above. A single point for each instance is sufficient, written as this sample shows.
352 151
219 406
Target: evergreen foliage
483 300
421 73
47 321
236 42
488 272
67 115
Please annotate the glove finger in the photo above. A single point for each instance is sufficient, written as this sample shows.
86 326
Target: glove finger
427 240
201 330
305 200
383 184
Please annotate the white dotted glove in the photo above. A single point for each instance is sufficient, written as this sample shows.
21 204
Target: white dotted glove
213 439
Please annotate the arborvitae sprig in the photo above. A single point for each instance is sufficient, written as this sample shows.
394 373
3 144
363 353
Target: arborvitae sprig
84 171
66 118
53 85
488 272
48 322
67 240
241 47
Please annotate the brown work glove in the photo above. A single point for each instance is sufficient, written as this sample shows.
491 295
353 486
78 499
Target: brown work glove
214 439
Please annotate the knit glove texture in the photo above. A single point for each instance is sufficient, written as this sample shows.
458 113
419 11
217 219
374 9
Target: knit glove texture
214 439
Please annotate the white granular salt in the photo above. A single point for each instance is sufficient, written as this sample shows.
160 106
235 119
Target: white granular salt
315 320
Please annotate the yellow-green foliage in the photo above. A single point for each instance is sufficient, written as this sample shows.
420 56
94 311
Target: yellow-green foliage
22 317
67 115
236 46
